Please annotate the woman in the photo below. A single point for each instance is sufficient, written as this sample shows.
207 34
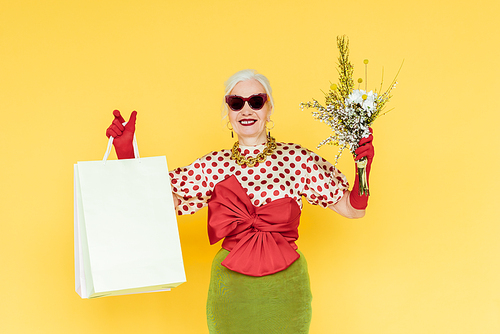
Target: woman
259 280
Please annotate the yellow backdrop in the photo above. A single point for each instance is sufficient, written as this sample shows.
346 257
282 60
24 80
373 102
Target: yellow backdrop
425 259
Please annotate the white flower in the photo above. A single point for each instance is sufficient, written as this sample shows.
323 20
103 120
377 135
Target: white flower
355 97
368 103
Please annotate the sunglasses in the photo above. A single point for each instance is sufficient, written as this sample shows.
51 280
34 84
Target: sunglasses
236 103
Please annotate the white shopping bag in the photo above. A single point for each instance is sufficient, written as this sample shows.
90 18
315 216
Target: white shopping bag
126 235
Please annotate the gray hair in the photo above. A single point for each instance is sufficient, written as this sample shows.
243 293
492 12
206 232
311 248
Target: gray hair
244 75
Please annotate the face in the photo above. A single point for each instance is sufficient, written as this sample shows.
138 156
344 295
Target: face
249 124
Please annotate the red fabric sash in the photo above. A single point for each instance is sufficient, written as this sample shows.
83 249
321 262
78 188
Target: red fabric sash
261 240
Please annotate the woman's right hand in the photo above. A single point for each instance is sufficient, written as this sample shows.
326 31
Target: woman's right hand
123 135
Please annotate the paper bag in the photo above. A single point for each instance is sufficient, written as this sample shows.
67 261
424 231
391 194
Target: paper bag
126 235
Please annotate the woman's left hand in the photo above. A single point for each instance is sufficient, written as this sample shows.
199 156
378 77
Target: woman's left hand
365 149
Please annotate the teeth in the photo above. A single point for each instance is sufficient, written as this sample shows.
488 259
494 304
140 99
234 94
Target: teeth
248 122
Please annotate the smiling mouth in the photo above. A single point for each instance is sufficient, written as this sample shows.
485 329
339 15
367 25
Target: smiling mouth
248 122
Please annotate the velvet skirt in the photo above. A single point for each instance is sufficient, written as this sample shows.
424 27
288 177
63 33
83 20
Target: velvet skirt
277 303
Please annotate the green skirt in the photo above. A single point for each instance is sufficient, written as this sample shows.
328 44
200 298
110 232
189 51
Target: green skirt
278 303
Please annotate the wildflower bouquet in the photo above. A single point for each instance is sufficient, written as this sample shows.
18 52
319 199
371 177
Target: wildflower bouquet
349 112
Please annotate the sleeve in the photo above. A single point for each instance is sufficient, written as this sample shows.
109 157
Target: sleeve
324 184
193 187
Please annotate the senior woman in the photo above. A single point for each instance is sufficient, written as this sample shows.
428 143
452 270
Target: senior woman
259 281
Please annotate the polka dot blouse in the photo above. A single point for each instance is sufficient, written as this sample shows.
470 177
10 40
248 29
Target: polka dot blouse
291 171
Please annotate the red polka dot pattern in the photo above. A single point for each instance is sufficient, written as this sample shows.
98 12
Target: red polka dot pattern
292 171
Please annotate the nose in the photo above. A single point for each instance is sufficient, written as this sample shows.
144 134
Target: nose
246 109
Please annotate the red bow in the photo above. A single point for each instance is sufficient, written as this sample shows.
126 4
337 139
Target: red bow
261 240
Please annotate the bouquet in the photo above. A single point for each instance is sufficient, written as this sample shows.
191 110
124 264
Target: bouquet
350 112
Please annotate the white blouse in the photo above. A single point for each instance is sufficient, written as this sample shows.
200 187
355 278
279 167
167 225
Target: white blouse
291 171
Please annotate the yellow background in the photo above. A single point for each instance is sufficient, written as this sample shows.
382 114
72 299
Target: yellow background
425 259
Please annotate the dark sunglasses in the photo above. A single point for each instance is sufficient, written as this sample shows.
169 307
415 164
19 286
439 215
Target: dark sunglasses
236 103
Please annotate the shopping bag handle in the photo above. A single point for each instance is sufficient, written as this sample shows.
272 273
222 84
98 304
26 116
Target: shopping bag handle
110 145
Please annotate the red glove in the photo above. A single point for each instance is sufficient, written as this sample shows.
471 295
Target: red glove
365 149
123 135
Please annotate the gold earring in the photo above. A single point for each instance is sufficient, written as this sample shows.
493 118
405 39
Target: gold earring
227 125
270 120
269 129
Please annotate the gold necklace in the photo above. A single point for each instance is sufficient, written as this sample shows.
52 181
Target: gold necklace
261 157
